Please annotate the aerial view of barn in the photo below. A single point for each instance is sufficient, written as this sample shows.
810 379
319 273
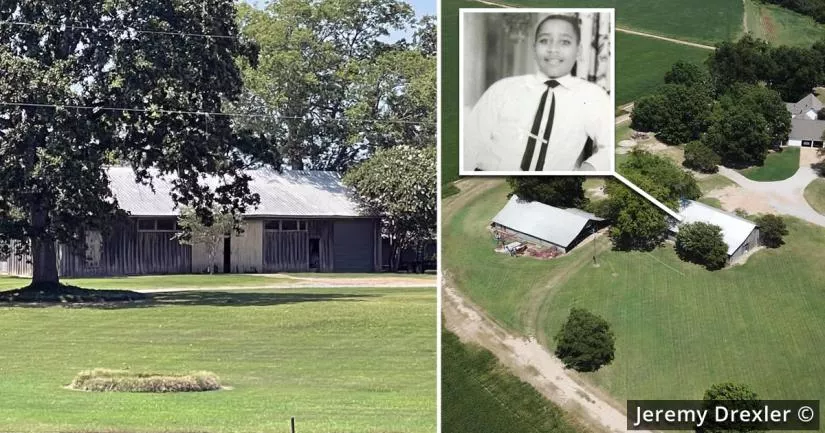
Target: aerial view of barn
544 225
306 221
739 234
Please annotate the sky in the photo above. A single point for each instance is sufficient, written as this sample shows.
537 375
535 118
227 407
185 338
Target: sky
421 8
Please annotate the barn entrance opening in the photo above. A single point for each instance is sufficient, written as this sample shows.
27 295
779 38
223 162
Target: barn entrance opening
314 254
227 254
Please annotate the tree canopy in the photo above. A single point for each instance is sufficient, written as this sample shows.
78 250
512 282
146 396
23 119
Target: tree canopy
733 396
772 229
106 54
399 184
336 89
585 341
703 244
563 191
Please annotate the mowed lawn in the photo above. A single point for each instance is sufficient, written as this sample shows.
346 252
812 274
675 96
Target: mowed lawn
481 395
705 21
781 26
778 166
679 328
159 281
815 195
339 360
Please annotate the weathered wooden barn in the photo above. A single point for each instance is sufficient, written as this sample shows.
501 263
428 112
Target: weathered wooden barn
544 225
306 222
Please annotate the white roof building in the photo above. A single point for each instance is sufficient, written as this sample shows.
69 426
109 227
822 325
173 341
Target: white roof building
560 227
735 230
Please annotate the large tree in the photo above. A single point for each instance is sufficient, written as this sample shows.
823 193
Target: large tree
585 341
739 135
113 54
399 185
337 89
703 244
564 191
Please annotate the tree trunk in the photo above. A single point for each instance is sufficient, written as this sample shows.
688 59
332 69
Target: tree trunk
44 262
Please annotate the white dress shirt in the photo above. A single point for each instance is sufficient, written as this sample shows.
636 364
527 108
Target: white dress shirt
496 132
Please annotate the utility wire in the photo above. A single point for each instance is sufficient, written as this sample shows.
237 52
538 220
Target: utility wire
97 29
205 113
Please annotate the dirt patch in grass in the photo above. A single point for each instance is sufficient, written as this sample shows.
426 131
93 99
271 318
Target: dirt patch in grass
63 294
768 25
105 380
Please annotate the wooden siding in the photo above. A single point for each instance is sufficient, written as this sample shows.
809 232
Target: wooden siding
200 258
524 237
18 266
247 248
752 242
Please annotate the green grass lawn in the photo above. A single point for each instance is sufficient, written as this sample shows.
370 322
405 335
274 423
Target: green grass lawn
159 281
778 166
704 21
781 26
426 277
480 395
713 182
679 328
339 360
711 201
815 195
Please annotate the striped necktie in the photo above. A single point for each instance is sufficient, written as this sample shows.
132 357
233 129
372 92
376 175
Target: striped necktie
534 132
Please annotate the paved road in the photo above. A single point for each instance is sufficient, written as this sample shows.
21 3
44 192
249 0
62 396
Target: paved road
786 196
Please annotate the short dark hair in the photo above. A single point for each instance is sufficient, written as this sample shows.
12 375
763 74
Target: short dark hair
573 20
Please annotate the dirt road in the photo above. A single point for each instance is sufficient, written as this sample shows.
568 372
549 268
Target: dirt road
530 361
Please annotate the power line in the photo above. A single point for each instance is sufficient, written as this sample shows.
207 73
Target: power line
97 29
204 113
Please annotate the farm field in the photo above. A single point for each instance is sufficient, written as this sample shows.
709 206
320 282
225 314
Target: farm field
778 166
479 394
781 26
352 359
704 21
675 323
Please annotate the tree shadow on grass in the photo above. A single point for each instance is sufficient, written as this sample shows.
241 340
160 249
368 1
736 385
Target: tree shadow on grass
206 298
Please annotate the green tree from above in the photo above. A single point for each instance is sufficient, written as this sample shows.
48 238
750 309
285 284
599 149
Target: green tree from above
740 136
703 244
772 229
701 158
731 396
585 341
399 184
564 192
688 74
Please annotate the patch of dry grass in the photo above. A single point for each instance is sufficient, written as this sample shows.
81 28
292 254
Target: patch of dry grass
106 380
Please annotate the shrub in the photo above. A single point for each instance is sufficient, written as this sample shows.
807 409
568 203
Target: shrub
771 230
702 243
585 342
102 380
701 158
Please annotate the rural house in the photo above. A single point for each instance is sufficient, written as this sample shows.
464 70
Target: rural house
306 222
739 234
806 129
545 225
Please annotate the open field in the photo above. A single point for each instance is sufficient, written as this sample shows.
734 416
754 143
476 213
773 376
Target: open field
778 166
479 394
704 21
759 323
781 26
354 359
815 195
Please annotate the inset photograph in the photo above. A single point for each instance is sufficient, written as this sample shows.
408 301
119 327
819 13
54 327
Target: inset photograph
536 91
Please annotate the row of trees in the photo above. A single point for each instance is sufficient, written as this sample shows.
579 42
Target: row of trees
321 88
736 128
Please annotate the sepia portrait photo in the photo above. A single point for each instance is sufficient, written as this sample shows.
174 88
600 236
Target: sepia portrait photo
536 91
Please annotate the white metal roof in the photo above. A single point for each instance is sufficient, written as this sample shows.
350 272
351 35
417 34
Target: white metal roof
551 224
291 193
734 229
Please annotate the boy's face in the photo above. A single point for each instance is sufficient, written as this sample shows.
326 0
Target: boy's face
556 48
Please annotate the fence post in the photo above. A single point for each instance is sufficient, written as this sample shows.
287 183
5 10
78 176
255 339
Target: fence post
292 425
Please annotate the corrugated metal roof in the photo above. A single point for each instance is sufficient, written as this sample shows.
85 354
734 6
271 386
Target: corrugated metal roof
291 193
803 128
734 229
559 226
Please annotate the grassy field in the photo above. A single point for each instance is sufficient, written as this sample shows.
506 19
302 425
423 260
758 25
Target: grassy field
480 395
815 195
778 166
679 328
339 360
158 281
705 21
713 182
781 26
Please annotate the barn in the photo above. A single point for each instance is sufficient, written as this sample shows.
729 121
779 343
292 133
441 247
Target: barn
806 129
545 225
739 234
306 222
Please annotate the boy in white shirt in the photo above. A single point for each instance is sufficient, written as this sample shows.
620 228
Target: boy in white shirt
547 121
